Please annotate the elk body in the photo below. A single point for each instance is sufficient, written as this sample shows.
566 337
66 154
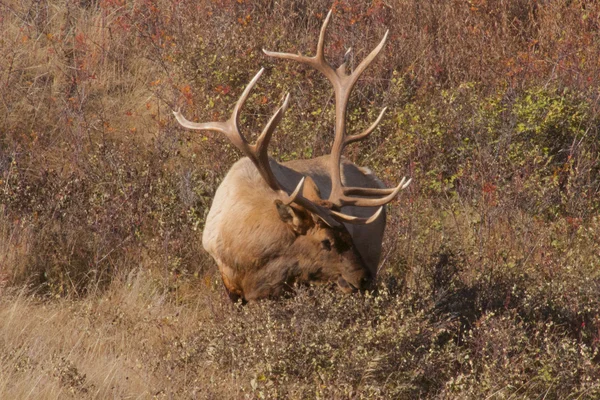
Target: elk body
273 224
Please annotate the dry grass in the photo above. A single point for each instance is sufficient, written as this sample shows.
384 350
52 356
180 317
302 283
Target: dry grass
100 347
491 276
134 342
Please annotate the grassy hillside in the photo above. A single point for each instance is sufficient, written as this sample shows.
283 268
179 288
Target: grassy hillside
491 273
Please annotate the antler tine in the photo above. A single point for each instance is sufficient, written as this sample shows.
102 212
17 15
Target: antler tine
205 126
368 60
235 115
294 195
323 213
318 60
321 44
342 68
366 132
257 153
362 202
351 219
260 148
361 191
265 137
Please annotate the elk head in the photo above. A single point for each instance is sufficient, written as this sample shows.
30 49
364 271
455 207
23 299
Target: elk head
298 235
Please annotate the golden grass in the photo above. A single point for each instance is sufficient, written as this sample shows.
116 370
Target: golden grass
101 347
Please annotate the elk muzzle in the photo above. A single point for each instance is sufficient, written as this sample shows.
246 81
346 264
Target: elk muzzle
357 281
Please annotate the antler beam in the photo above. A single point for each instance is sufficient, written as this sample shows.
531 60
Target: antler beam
257 152
343 83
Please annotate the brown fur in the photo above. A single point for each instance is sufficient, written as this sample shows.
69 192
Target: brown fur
263 247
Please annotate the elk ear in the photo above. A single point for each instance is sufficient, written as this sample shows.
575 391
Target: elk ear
298 219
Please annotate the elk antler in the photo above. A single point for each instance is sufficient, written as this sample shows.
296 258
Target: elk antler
343 84
256 152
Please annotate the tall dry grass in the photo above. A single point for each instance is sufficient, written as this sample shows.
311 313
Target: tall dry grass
99 347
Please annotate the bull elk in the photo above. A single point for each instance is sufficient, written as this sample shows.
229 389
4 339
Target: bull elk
274 224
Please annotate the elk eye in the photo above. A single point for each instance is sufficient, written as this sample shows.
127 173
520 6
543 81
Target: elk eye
326 244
